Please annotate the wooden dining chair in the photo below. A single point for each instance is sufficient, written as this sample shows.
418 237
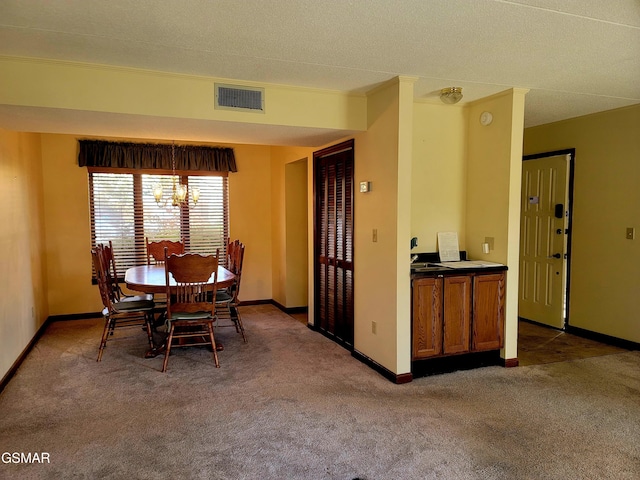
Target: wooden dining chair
230 248
111 270
155 250
227 300
191 308
119 313
155 255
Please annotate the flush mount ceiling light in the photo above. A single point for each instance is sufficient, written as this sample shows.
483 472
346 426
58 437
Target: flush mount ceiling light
451 95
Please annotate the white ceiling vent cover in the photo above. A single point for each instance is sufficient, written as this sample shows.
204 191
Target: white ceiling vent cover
235 97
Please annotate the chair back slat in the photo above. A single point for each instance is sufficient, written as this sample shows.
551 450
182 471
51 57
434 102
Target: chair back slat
111 272
155 250
228 304
196 282
107 294
236 260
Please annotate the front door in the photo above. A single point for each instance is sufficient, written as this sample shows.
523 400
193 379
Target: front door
544 232
333 243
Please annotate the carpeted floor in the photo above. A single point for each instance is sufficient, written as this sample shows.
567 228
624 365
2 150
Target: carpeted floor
291 404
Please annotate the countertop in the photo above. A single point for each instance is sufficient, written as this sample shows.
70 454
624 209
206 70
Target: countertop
428 264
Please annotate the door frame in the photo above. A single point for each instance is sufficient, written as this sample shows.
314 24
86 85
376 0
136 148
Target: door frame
571 152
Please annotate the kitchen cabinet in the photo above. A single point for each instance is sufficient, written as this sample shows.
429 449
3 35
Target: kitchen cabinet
488 312
427 317
457 313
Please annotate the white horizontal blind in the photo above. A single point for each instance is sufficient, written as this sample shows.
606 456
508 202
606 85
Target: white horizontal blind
124 211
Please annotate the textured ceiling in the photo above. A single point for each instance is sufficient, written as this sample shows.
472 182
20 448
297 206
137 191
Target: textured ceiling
576 56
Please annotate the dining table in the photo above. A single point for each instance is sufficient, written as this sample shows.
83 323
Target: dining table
152 279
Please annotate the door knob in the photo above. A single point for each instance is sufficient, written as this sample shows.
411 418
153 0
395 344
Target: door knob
557 255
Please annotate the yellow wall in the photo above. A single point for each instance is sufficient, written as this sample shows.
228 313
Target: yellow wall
604 264
100 88
290 257
68 229
403 225
297 242
438 180
250 218
23 302
66 210
494 169
376 263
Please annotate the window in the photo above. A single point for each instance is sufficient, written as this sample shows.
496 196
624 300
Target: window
124 211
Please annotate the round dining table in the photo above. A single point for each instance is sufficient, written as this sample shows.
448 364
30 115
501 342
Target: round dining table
151 278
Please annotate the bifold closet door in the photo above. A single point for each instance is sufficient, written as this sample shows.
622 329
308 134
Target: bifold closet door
333 243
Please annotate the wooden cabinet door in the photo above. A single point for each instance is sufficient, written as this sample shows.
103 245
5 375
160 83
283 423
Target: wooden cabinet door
457 314
427 317
488 311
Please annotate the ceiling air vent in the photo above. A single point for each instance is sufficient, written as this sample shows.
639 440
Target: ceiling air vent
234 97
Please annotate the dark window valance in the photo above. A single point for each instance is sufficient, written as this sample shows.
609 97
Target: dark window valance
98 153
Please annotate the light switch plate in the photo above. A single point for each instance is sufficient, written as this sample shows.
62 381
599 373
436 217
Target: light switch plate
631 233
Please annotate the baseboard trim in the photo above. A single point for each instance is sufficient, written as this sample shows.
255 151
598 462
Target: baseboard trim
602 338
386 373
14 368
255 302
453 363
73 316
289 310
510 362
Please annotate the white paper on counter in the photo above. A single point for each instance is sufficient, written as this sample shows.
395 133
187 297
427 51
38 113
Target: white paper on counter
469 264
448 247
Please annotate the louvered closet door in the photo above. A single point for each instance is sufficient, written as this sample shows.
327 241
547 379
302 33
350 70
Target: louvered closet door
334 242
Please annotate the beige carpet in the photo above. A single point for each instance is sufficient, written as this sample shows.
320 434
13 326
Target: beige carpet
291 404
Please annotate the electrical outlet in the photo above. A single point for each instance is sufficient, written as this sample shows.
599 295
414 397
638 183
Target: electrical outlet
374 328
490 241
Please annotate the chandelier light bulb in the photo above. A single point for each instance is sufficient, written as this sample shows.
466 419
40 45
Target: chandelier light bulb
157 192
195 193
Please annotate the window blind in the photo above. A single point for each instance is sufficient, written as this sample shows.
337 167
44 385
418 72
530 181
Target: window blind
124 211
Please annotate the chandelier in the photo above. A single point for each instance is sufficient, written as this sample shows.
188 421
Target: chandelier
179 191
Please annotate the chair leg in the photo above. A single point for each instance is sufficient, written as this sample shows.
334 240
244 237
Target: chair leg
112 327
238 321
213 344
149 324
103 340
234 318
168 350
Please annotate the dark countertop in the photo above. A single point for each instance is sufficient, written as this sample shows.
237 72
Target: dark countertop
434 271
424 266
